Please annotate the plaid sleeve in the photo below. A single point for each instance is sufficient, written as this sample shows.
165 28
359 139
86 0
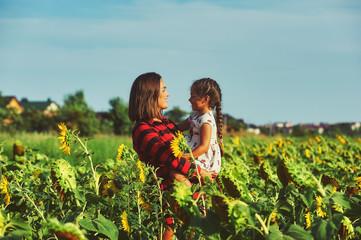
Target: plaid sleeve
147 140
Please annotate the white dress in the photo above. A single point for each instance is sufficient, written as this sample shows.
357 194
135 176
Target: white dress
210 160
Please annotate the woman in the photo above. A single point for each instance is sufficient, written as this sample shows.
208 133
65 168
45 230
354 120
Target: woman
152 133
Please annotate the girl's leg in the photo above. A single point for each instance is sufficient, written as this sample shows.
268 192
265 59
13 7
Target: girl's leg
179 177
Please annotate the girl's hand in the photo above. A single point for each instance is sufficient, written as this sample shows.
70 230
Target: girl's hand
205 173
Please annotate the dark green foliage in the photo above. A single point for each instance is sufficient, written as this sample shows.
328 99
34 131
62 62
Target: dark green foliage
119 117
176 114
78 115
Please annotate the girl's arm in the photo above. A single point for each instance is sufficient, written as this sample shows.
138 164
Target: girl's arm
183 126
205 136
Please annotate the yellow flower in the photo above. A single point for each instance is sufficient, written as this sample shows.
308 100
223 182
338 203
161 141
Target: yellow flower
144 204
37 173
357 156
319 207
120 152
274 216
64 138
4 189
236 139
279 143
141 174
358 181
179 145
308 220
269 149
308 155
109 189
310 141
342 140
318 140
125 223
320 149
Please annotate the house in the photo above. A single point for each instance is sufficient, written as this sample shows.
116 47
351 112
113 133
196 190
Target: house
48 107
12 102
355 126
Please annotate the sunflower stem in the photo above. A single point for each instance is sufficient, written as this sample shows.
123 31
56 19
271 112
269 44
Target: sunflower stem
86 151
36 208
160 201
200 182
265 229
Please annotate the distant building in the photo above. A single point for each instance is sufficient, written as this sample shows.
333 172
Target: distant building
12 102
355 126
48 107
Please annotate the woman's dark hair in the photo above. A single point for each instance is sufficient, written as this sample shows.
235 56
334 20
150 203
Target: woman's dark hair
208 87
143 99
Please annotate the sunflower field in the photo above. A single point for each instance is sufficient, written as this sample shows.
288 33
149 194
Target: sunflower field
278 190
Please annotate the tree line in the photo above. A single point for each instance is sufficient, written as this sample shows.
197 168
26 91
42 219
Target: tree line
75 113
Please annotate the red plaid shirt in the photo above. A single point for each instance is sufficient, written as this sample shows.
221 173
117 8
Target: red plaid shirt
151 140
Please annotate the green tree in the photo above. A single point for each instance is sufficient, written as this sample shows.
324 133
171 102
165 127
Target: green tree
176 114
299 131
78 115
35 120
119 116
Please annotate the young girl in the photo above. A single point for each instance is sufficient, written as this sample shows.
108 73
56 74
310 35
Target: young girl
207 151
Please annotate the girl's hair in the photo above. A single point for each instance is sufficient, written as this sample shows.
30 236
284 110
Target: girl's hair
207 86
143 99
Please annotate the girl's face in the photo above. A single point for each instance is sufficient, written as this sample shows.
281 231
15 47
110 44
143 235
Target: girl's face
198 103
163 96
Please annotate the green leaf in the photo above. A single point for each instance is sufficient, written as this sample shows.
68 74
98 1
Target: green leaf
295 232
101 225
95 199
307 196
342 199
325 230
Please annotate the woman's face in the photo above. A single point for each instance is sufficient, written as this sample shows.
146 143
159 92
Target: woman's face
163 96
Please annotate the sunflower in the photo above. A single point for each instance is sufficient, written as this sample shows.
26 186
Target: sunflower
179 145
319 207
141 174
144 204
270 148
109 189
308 155
318 140
4 189
64 138
236 139
120 152
358 182
69 231
125 223
308 220
342 140
274 216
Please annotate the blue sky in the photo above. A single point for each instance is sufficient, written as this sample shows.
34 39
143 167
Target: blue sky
276 61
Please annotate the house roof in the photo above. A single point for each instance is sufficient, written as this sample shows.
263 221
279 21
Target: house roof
37 105
7 100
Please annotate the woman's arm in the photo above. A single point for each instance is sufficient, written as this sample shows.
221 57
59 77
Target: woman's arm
147 140
183 126
205 137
